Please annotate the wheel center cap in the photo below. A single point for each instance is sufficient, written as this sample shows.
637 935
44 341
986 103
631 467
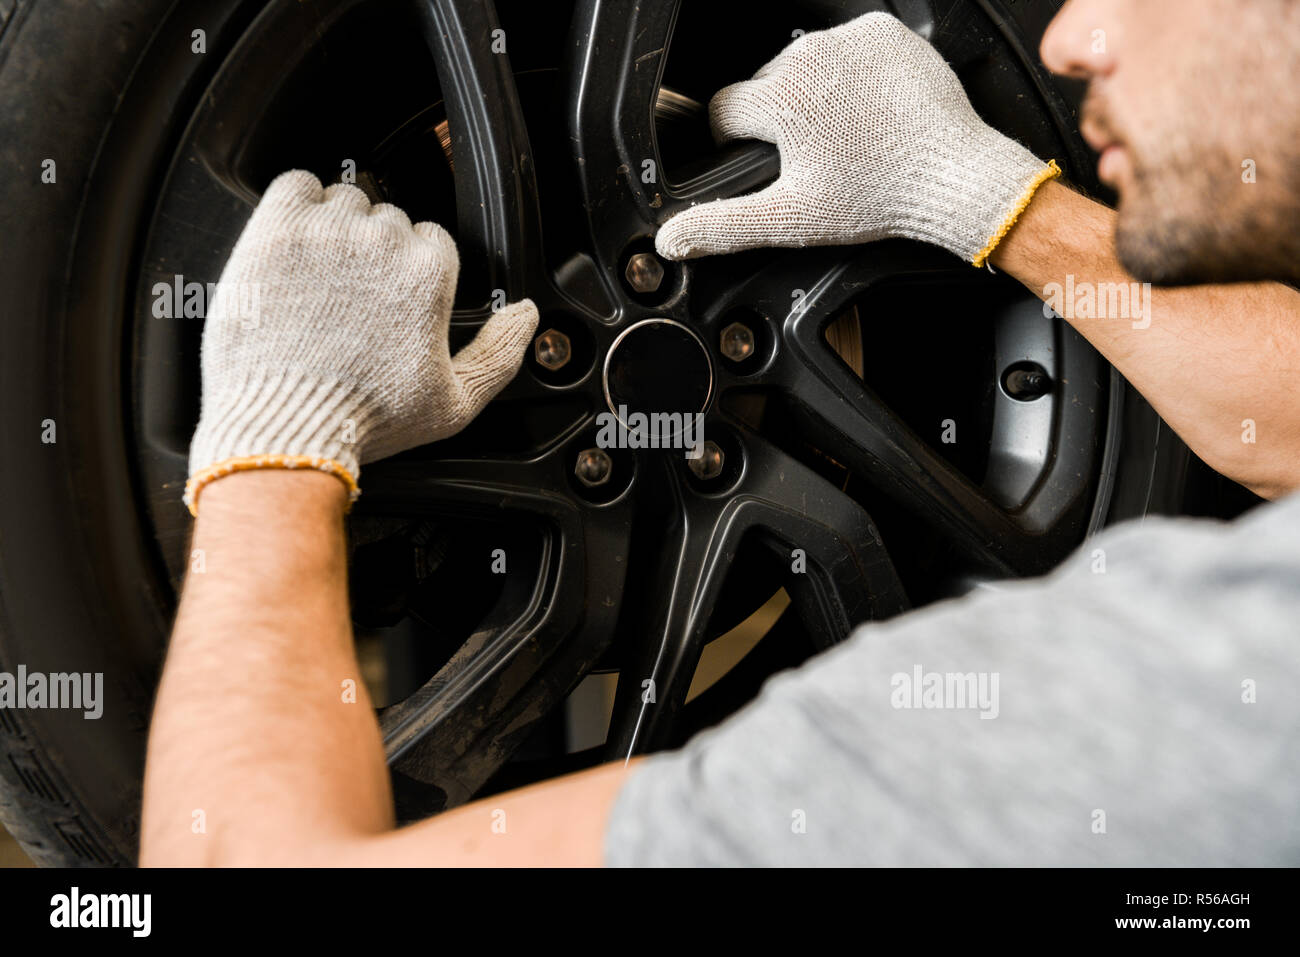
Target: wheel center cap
657 365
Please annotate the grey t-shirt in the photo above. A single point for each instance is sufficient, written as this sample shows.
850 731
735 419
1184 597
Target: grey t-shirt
1147 704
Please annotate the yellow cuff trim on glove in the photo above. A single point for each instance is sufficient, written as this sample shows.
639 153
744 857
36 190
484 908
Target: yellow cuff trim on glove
1050 171
275 461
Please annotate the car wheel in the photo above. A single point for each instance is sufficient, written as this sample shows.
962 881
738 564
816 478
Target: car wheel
887 425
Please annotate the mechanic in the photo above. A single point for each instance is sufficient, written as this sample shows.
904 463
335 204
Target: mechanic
1147 715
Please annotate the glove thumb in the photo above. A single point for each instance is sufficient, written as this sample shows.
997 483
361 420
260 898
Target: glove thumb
490 361
729 225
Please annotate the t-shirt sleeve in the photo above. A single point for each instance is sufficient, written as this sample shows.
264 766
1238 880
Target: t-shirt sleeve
1139 706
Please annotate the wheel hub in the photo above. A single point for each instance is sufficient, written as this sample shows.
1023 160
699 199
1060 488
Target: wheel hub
658 366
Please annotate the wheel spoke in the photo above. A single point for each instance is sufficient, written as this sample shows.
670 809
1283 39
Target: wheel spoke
409 485
447 739
841 574
738 169
497 225
842 577
698 539
814 284
613 76
496 192
841 413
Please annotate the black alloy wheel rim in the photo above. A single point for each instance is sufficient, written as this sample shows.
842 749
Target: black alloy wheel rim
586 591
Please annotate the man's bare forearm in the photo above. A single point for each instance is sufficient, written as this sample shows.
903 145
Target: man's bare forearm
1217 362
264 746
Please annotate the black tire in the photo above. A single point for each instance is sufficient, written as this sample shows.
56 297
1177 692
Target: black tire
71 598
98 88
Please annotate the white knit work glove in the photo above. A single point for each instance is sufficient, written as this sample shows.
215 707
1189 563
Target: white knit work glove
326 345
877 139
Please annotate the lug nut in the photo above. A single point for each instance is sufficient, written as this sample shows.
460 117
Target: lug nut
709 464
594 467
737 342
644 272
552 349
